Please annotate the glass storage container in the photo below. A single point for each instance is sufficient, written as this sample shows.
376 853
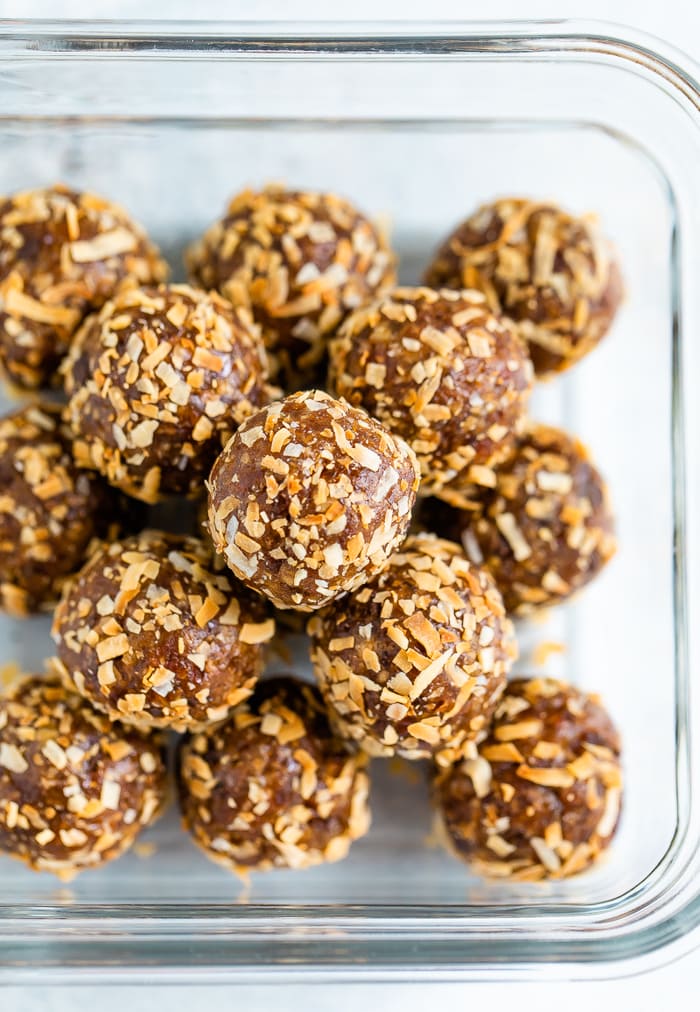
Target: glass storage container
418 123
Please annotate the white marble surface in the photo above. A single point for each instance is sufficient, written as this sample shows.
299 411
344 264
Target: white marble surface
679 22
674 986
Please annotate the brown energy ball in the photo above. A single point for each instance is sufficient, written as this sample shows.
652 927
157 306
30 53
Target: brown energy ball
75 789
300 261
272 787
552 273
49 509
62 255
439 369
543 796
151 636
309 498
545 530
158 382
414 663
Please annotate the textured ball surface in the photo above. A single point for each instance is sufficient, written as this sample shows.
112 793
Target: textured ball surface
300 261
62 255
543 796
49 509
544 530
273 788
152 636
550 272
75 789
158 381
309 498
440 370
413 664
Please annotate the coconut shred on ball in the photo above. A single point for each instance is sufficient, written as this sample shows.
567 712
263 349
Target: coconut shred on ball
550 272
50 509
75 789
152 636
543 796
414 663
441 370
62 255
273 787
544 530
309 498
158 381
300 261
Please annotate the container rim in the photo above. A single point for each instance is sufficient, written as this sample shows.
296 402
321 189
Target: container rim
381 37
306 942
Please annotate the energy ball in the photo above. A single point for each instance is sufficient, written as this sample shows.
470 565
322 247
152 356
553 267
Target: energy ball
414 663
300 262
62 255
309 499
549 271
440 370
543 796
75 789
151 636
50 510
272 787
158 381
546 528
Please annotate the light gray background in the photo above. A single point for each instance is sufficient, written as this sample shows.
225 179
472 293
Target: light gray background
678 21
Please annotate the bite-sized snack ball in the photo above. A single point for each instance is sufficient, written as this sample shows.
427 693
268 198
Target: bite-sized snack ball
158 381
414 663
75 789
272 787
49 509
551 272
300 261
62 255
546 528
439 369
309 498
543 796
151 636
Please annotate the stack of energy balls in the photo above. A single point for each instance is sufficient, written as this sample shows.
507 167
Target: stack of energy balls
331 423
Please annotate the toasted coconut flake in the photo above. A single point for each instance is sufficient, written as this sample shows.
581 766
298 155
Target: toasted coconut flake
107 244
259 632
20 304
546 855
508 527
12 759
546 776
479 772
